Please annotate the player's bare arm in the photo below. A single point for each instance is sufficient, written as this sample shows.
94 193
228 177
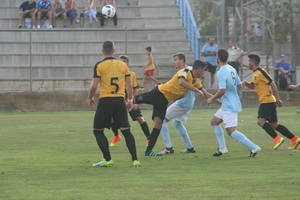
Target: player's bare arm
92 91
276 94
218 95
188 86
248 85
129 91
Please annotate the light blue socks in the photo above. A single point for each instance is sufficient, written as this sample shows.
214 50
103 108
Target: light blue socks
241 138
183 132
220 138
165 134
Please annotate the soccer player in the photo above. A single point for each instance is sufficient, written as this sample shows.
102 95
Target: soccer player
167 93
228 81
135 113
179 111
113 77
269 99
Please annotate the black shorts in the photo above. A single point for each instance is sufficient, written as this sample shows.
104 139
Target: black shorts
211 68
136 113
155 98
44 14
111 109
268 112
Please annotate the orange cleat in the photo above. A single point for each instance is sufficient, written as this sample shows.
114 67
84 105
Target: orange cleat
295 141
277 142
115 140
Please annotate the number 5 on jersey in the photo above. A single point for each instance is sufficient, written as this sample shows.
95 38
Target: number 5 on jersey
113 82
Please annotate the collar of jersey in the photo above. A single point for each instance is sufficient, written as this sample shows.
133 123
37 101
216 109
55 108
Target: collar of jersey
109 58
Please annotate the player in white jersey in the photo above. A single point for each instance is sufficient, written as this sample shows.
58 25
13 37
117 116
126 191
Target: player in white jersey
228 81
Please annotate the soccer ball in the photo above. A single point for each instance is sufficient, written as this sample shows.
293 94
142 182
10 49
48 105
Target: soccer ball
108 11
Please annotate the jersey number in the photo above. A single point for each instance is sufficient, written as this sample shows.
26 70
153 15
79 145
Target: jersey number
233 78
113 81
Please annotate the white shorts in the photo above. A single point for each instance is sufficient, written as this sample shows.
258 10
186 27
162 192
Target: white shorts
230 119
175 112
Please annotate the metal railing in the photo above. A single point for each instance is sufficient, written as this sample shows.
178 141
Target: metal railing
190 25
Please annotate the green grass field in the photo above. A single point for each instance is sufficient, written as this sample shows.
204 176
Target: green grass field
50 156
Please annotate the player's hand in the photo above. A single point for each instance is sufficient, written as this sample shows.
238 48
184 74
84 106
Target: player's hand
130 105
92 102
279 102
200 93
209 100
218 101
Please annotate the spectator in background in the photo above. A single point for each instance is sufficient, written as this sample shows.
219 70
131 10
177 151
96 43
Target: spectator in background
90 11
235 54
101 16
27 10
71 11
282 71
258 34
58 11
209 52
44 9
149 68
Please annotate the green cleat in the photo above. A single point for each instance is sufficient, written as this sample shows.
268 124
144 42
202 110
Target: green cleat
136 163
103 163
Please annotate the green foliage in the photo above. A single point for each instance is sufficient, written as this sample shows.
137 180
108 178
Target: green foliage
49 156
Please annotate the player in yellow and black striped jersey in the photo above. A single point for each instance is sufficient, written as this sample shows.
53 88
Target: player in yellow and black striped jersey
164 94
268 97
113 77
135 113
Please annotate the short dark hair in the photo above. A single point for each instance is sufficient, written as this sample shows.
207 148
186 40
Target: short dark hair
181 56
148 49
199 64
223 55
255 58
124 57
108 47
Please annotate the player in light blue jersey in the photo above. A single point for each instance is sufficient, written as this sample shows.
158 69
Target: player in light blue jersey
179 111
228 81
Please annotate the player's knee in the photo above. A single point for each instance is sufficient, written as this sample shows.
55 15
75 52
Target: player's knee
261 122
177 124
274 125
141 120
213 122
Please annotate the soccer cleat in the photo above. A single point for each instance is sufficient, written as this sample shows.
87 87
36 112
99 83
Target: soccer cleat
277 142
191 150
136 163
220 152
167 151
140 89
152 154
104 163
254 152
115 140
294 143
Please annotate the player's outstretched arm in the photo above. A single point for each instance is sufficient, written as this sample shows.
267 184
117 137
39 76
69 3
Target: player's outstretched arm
276 94
92 91
188 86
294 86
216 96
248 85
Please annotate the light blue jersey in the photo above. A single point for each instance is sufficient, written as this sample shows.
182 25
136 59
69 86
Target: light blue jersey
188 101
229 80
